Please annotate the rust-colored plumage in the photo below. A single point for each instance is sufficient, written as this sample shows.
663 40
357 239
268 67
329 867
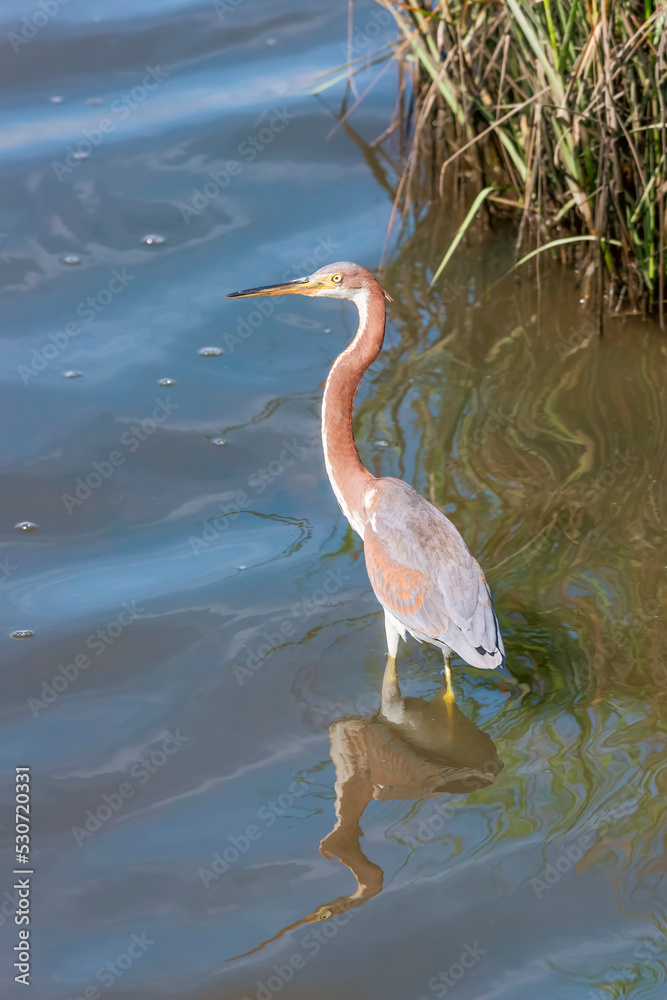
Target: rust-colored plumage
421 570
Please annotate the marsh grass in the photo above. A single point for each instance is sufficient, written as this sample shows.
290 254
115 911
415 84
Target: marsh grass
558 108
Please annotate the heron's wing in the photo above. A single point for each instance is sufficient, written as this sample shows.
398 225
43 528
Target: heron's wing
423 573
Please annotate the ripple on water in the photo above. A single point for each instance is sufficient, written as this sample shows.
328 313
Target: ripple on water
193 605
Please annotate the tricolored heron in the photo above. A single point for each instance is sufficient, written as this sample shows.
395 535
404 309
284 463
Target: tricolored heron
421 570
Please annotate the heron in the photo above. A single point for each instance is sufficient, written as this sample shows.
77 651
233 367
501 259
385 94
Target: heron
421 570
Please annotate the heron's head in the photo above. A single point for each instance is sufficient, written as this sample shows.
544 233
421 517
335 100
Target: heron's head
336 281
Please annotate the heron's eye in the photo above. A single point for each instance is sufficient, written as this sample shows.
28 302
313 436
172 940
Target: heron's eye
336 278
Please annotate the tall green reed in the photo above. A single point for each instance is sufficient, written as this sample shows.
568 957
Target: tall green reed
559 108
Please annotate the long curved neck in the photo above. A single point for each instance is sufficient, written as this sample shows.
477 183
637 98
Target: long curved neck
349 479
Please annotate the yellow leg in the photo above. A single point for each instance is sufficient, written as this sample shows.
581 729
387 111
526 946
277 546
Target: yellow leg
449 693
390 688
393 707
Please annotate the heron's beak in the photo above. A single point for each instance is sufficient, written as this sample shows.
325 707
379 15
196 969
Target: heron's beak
300 286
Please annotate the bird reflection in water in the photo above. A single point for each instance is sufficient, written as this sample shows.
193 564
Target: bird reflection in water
412 749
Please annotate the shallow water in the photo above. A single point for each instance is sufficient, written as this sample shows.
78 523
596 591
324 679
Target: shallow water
207 658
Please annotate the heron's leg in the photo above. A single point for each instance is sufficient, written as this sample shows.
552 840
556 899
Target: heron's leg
392 703
449 693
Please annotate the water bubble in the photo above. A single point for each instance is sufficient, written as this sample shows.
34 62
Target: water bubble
328 329
56 99
71 258
72 374
243 567
382 444
21 633
219 442
166 381
25 526
210 352
153 240
80 156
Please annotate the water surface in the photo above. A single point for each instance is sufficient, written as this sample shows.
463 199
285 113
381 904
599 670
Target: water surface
198 703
